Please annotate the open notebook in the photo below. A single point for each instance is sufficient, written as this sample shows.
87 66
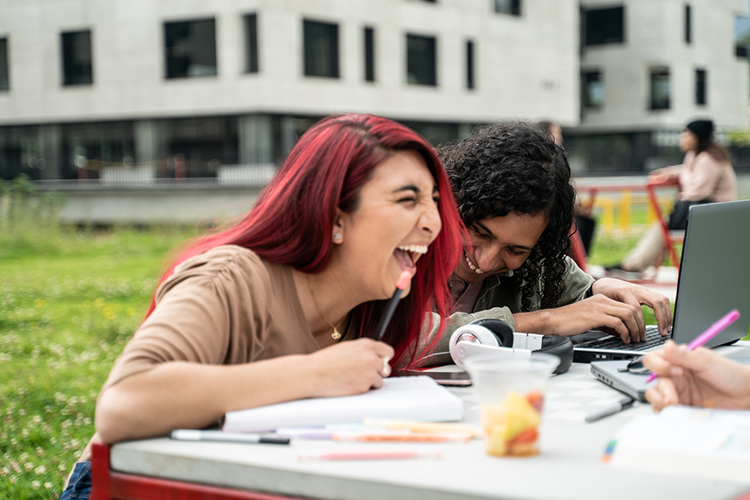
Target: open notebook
411 398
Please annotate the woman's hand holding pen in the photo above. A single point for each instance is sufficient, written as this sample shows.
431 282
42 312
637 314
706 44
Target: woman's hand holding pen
697 378
351 367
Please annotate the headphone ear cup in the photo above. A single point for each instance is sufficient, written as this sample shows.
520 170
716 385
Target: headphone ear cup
561 347
500 329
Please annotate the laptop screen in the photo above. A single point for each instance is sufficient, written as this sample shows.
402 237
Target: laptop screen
714 272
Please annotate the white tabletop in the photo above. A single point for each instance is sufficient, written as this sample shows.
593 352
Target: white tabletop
569 466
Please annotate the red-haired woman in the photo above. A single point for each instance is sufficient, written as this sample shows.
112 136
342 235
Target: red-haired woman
281 306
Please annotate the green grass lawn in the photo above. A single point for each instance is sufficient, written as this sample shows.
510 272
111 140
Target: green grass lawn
68 304
69 300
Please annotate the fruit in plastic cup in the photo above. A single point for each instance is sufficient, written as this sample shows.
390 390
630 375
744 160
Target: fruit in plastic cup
511 398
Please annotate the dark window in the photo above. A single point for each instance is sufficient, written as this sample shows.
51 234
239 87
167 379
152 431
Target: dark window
190 48
76 55
469 64
421 68
512 7
601 26
321 49
701 86
592 95
688 24
369 55
251 43
660 91
741 35
4 74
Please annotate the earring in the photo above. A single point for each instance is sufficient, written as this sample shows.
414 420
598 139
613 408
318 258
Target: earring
337 237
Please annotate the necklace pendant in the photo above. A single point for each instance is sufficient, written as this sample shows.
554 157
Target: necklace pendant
335 335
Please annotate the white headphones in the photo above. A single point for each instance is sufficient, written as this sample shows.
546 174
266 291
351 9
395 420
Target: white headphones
476 340
491 337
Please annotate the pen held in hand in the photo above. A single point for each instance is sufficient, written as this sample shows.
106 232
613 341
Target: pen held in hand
704 337
385 318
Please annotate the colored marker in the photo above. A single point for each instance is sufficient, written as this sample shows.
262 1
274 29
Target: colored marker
426 427
704 337
385 318
459 437
369 455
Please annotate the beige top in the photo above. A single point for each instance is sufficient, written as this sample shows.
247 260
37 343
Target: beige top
224 307
703 177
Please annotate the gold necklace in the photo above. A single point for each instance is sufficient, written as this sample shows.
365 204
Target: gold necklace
336 334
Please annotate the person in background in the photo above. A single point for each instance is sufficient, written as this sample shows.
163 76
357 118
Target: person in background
705 176
283 305
697 378
584 224
512 186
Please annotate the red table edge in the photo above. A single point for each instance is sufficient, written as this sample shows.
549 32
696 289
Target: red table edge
110 485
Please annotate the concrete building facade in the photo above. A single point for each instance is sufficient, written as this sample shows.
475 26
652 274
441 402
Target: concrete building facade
195 86
647 68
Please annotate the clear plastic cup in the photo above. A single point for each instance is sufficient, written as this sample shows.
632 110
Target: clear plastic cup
511 397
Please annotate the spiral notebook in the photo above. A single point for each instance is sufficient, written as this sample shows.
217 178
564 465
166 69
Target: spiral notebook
411 398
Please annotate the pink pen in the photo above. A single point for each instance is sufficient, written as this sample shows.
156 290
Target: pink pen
704 337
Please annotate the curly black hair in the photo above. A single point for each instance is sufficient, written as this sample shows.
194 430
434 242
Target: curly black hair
513 167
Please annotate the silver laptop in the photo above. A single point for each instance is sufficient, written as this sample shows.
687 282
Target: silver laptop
714 279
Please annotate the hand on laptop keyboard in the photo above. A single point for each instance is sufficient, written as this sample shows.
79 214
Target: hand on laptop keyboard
637 295
615 317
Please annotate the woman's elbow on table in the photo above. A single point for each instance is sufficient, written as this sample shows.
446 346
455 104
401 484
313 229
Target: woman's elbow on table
116 420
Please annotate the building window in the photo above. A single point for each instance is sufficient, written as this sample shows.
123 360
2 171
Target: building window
512 7
190 48
76 55
321 49
701 87
592 90
660 92
369 54
251 43
741 35
421 67
4 74
469 64
602 26
688 24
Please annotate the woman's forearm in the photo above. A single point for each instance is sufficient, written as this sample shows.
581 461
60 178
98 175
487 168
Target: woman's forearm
180 394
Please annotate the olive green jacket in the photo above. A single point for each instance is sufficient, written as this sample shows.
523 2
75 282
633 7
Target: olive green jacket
499 300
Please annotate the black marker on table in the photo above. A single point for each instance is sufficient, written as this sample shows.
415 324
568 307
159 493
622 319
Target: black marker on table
225 437
606 411
385 318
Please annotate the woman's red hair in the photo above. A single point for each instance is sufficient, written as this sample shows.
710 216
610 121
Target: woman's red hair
291 221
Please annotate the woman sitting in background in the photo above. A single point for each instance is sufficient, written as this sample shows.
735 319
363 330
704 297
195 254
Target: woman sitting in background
280 306
705 176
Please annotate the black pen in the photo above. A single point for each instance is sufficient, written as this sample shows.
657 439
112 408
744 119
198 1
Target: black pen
622 404
225 437
385 318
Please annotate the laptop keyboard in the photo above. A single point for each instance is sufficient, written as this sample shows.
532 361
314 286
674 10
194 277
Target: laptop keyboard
653 339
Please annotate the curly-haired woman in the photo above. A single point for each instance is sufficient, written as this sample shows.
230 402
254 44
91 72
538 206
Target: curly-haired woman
512 186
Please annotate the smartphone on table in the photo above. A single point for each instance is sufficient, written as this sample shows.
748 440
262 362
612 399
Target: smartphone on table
442 378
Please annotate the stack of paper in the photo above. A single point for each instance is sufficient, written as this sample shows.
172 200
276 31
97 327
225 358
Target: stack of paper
695 442
411 398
